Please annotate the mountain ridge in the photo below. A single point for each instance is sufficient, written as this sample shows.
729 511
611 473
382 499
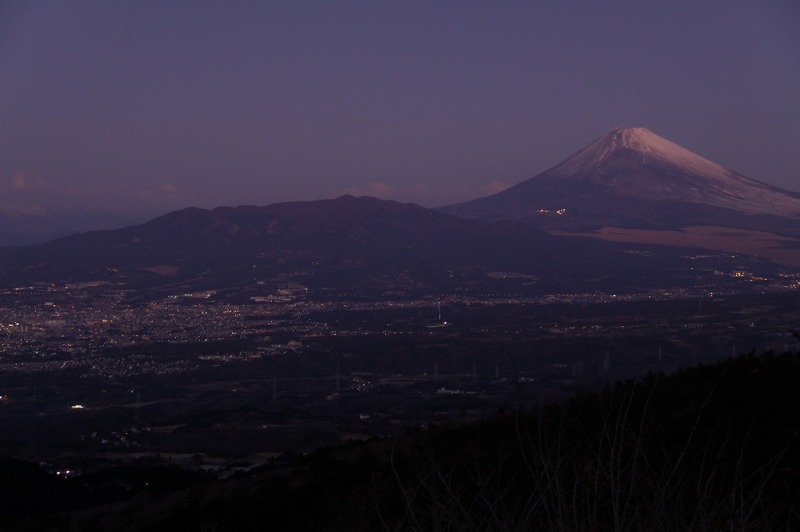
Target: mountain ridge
357 244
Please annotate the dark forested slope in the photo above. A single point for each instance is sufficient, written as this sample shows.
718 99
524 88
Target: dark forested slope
709 448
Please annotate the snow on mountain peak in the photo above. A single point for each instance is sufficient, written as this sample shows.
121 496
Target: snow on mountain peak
637 162
643 141
651 145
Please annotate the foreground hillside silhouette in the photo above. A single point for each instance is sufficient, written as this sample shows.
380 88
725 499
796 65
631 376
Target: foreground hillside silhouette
710 448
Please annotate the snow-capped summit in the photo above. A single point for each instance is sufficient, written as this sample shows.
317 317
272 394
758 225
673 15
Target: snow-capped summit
640 141
633 177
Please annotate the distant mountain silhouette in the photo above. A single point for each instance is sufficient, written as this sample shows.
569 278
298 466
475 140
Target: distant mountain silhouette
19 227
345 243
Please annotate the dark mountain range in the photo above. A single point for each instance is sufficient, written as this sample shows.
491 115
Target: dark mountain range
649 189
349 243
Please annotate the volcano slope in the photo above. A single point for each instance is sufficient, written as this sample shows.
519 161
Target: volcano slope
631 185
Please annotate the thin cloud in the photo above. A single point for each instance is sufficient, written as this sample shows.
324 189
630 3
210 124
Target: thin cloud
22 182
168 190
26 191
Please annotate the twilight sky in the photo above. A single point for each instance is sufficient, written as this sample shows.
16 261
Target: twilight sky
151 106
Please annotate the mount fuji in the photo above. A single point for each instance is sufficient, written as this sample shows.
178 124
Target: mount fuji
632 185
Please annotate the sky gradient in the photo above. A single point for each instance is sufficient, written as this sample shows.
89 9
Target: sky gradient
153 106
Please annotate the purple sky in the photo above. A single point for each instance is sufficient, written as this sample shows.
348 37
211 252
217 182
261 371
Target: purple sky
153 106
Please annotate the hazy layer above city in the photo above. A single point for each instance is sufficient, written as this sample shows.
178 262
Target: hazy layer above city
149 107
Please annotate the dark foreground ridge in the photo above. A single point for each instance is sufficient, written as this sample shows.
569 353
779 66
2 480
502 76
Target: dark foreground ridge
710 448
